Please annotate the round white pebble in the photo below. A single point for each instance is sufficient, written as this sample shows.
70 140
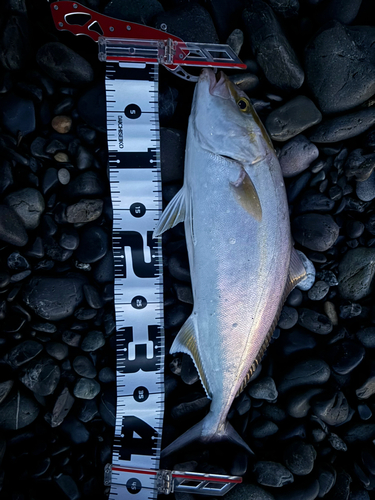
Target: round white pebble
63 176
308 282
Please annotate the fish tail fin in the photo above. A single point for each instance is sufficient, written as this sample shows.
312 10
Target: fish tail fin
198 433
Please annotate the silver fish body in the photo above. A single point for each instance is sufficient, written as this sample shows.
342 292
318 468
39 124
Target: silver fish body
234 206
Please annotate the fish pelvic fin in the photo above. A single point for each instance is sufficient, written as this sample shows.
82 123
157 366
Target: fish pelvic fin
205 433
297 273
246 195
187 341
174 213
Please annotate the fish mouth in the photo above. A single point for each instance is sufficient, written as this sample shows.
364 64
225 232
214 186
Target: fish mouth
218 83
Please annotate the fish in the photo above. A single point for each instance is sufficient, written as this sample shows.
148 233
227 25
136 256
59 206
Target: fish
242 261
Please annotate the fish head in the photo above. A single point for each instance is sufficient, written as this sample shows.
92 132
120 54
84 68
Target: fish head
225 122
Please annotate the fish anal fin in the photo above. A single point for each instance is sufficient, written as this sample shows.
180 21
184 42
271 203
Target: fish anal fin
174 213
246 195
297 273
187 341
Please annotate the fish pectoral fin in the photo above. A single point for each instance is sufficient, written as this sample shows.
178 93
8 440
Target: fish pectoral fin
297 272
187 341
246 195
173 214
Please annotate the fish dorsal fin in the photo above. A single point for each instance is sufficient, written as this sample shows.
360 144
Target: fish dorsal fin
173 214
186 341
246 195
297 273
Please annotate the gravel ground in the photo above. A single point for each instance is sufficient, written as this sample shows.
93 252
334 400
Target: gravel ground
308 411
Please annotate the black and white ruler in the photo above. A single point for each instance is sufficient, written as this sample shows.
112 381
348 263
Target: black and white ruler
135 180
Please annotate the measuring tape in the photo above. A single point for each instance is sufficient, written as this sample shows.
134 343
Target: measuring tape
133 135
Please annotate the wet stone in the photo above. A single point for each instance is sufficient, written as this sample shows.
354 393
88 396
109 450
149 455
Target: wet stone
12 229
75 430
314 201
17 262
308 372
364 412
343 127
86 388
68 486
63 64
93 245
350 310
247 491
55 251
314 321
86 184
271 48
365 190
299 457
345 356
326 479
107 375
288 318
354 228
84 367
87 410
84 211
17 114
93 297
262 428
41 376
298 404
356 273
93 341
294 298
17 411
341 489
107 407
91 107
137 11
272 474
54 298
24 352
297 155
340 53
359 166
367 336
336 442
316 232
57 350
292 118
173 143
367 389
63 405
297 340
318 291
333 409
69 239
263 388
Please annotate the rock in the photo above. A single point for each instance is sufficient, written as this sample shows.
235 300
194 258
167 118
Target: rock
88 410
245 81
339 53
297 155
326 478
190 22
367 389
28 203
63 64
57 350
178 266
263 388
272 474
288 318
139 11
308 491
297 186
14 42
17 262
364 412
294 298
285 8
84 211
54 298
86 388
262 428
350 310
345 356
359 432
6 175
235 40
84 367
69 239
41 376
93 341
68 486
17 411
365 190
299 457
367 336
299 403
11 228
315 231
17 114
270 47
24 352
63 405
309 280
318 291
91 107
247 491
291 119
63 175
86 184
62 124
314 201
103 270
307 372
314 321
359 166
107 375
341 489
296 340
343 127
356 272
75 430
93 245
331 408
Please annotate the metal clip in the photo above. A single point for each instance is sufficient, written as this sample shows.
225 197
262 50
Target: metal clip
164 482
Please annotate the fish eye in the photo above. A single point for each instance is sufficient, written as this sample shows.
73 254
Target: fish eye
243 104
